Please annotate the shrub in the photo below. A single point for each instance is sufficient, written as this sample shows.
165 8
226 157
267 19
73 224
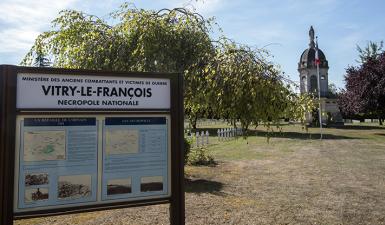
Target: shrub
187 148
200 157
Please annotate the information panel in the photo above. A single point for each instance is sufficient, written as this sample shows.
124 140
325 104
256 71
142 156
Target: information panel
134 157
57 161
79 161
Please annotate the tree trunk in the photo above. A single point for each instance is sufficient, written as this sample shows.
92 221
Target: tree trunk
193 122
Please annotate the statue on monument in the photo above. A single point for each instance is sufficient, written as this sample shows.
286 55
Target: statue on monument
311 35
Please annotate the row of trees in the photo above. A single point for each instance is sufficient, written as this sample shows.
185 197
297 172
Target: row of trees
365 85
223 79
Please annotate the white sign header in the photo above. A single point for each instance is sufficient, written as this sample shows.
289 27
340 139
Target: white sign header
43 91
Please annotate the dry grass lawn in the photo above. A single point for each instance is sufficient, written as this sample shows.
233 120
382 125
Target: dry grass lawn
293 179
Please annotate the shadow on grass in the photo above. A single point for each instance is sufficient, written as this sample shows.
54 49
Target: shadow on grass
300 135
211 163
359 127
203 186
380 134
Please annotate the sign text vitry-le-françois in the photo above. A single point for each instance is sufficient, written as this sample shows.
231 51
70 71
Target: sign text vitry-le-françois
131 93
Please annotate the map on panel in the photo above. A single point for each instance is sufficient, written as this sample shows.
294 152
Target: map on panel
44 145
122 141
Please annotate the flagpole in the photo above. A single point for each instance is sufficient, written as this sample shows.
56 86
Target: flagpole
319 87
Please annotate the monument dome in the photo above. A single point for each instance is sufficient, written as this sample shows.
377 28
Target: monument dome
307 59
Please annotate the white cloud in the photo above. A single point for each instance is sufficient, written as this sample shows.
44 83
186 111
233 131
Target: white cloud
21 39
21 21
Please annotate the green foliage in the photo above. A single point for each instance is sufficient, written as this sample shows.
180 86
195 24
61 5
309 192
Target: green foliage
371 50
41 61
187 149
299 106
200 157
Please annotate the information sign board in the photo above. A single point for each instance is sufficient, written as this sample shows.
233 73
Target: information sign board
76 141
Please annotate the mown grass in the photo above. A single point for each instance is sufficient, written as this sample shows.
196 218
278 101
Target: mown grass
262 144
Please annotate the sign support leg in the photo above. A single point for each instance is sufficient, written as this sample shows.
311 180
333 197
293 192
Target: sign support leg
7 143
177 205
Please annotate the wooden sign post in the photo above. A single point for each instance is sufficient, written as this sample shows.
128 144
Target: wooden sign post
80 140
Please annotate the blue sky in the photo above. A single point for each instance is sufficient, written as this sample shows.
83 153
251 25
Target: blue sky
280 25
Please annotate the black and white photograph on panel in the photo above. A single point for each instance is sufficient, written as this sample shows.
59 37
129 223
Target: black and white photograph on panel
74 187
32 179
119 186
36 194
154 183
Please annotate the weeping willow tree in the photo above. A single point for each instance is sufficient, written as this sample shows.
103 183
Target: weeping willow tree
222 79
248 88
